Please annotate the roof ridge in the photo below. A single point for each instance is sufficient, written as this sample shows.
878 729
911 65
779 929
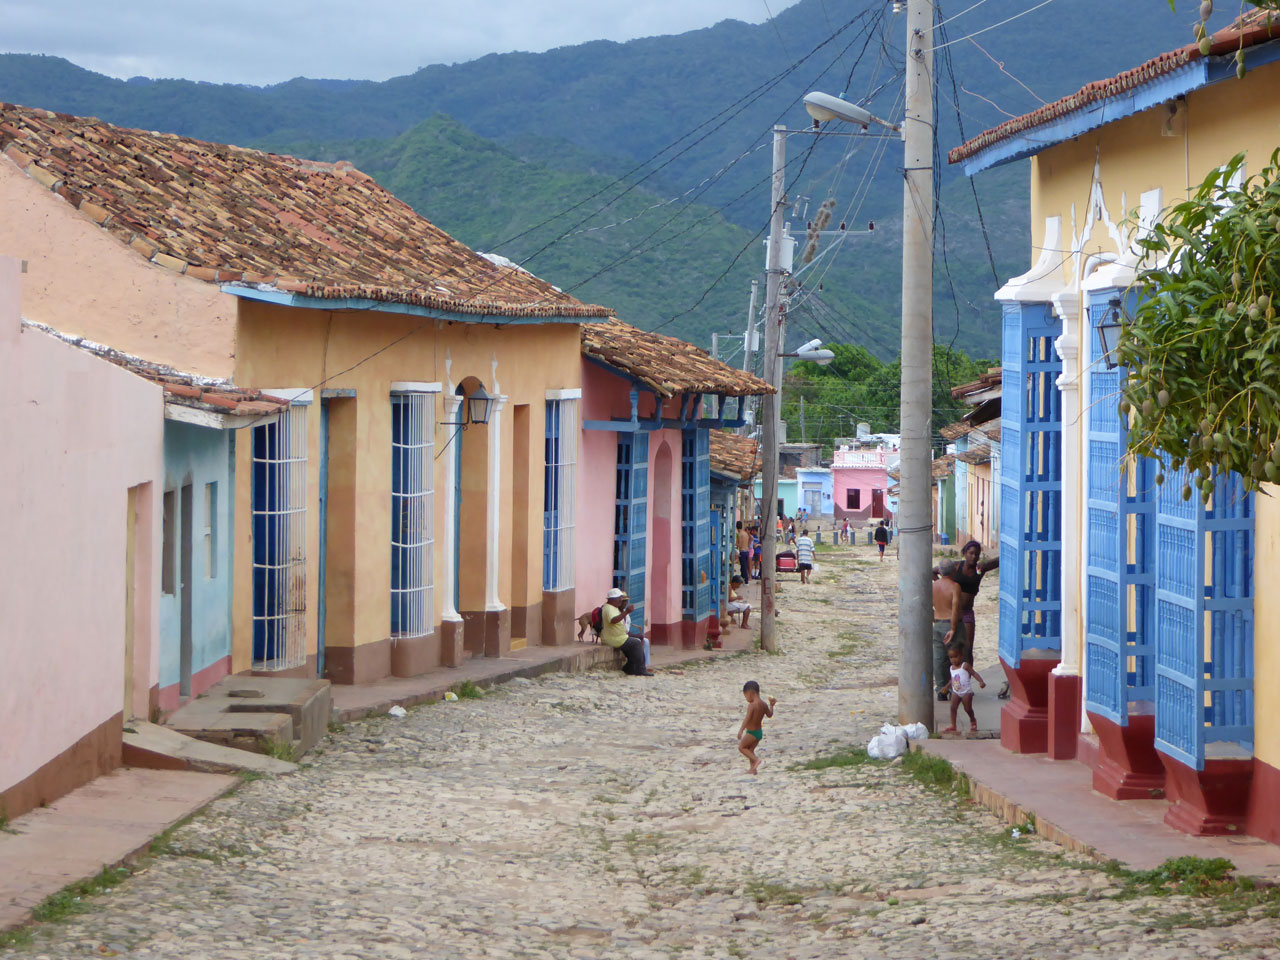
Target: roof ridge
1251 28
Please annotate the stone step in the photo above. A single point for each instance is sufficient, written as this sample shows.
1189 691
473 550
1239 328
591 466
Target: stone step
242 711
155 747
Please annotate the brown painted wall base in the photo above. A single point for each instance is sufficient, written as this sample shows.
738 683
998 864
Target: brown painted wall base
362 664
452 651
1264 802
412 656
1208 802
94 754
667 634
1128 766
558 617
497 632
1024 721
1064 716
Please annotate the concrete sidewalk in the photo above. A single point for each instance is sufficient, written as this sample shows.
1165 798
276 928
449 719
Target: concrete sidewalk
1068 811
102 824
365 699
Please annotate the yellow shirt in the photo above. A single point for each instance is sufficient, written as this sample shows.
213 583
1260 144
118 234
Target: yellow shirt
612 634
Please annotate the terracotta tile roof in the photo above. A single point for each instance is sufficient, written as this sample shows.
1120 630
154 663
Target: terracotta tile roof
1252 28
979 454
226 214
944 466
666 365
953 431
733 455
183 389
990 430
990 379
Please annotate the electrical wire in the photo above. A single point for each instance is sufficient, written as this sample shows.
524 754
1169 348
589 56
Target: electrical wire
978 33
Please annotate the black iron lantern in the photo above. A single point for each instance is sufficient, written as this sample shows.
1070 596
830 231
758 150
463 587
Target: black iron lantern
1109 326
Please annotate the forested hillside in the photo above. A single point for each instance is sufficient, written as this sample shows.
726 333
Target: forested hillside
666 137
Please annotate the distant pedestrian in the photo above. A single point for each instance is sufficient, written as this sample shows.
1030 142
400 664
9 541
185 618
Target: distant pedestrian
882 539
743 544
757 553
960 686
752 730
844 531
804 555
736 604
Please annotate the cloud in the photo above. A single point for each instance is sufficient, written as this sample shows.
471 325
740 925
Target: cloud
268 41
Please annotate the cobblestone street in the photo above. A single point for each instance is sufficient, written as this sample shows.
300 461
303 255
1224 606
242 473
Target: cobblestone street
602 816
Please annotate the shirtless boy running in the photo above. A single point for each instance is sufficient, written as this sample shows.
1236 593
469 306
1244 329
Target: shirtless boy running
752 730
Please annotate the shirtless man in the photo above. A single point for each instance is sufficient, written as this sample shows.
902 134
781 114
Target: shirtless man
947 614
743 543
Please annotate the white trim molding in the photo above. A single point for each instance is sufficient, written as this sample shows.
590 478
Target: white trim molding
414 386
572 393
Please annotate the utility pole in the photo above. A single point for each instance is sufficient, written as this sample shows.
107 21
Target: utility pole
803 437
748 346
715 346
771 405
915 527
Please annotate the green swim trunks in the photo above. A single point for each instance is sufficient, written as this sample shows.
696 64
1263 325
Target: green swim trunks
758 734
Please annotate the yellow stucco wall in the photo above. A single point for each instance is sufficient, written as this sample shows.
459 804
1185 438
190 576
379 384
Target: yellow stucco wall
1091 182
281 347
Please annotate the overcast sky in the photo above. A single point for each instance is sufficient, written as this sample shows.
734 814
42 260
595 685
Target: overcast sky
267 41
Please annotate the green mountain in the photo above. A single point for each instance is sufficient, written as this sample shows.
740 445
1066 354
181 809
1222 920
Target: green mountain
668 137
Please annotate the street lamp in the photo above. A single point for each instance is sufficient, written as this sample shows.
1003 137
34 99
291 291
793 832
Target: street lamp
814 352
823 107
1110 325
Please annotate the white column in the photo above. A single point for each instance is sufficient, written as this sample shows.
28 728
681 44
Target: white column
452 413
1068 348
491 601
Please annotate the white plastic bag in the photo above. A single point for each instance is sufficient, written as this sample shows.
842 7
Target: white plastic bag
398 712
915 731
887 746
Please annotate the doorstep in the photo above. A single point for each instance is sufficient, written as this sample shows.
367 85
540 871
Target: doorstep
1068 811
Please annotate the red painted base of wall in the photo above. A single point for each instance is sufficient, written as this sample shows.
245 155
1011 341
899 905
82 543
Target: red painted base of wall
1264 803
1129 766
1024 721
1064 716
171 699
1209 802
666 634
693 633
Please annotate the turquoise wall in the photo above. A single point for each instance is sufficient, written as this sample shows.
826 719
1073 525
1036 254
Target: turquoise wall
788 493
199 455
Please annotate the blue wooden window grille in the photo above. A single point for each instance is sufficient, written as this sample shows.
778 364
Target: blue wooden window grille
631 518
1030 483
1120 548
695 527
1204 621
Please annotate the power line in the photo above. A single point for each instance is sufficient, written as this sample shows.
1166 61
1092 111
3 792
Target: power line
978 33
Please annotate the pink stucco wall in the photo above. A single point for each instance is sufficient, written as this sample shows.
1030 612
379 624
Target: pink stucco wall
77 433
604 397
844 479
80 279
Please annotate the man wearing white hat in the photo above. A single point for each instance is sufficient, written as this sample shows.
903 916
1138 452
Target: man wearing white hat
613 633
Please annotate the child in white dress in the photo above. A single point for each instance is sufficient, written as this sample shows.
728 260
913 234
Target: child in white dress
960 686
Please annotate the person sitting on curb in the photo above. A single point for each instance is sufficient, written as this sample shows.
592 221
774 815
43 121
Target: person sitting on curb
736 604
614 616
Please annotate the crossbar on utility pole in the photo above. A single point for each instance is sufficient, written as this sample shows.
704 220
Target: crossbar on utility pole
915 522
770 408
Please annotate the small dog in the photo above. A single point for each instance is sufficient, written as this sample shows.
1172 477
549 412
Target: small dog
584 625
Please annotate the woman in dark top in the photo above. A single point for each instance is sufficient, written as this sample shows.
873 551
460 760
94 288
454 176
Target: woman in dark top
968 573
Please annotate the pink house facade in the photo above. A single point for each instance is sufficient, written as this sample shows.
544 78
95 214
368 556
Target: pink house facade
79 490
646 520
860 482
